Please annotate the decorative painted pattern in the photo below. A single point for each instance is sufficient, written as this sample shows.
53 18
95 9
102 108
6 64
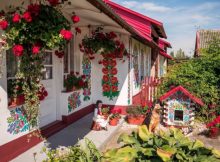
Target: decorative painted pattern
129 81
17 122
74 101
86 66
136 68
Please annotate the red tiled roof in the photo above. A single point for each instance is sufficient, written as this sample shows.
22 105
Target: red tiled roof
186 92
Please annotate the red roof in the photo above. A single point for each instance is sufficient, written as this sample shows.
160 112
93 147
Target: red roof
142 24
163 43
165 55
186 92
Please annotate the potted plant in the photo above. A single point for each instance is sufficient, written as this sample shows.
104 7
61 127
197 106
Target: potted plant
114 119
105 112
15 92
74 82
136 115
214 127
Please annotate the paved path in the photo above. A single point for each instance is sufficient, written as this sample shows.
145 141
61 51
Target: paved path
68 137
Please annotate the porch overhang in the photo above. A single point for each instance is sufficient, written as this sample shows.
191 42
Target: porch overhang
162 53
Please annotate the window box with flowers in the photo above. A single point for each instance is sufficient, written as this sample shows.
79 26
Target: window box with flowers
74 82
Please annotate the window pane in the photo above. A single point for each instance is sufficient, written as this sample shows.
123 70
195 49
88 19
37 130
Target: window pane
66 60
48 60
47 73
12 64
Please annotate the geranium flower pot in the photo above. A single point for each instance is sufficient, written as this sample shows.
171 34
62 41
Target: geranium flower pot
135 120
113 122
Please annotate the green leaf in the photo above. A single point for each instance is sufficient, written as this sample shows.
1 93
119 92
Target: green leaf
127 139
144 133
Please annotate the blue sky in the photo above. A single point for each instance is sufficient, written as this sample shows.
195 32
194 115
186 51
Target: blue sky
181 18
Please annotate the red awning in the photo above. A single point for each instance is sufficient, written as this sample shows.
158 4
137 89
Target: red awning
165 55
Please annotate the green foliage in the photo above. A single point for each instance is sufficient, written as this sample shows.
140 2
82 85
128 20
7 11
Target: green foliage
87 153
136 110
143 146
200 76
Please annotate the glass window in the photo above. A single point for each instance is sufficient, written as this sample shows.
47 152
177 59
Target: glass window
68 59
47 71
178 115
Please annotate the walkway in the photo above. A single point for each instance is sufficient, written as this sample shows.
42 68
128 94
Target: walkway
68 137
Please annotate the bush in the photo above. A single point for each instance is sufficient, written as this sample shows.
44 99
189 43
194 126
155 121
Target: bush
165 146
136 110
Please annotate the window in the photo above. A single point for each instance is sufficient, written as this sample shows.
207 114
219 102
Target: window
48 66
178 116
162 60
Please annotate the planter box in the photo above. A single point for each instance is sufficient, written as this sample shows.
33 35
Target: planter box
113 122
135 120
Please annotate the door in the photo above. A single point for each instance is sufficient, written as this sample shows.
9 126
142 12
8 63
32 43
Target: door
48 107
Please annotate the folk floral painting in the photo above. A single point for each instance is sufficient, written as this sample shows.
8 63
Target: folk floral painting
17 122
74 101
86 66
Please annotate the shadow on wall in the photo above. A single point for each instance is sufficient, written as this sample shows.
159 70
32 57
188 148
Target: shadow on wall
70 135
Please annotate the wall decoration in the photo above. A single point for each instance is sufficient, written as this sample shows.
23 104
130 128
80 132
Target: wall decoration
74 101
86 66
129 81
17 122
110 81
136 68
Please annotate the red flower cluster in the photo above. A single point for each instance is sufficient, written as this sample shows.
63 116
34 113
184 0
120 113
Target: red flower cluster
116 111
59 54
27 16
18 50
66 34
42 93
36 49
34 9
3 24
105 71
105 78
114 80
114 71
214 123
75 19
106 88
78 30
16 18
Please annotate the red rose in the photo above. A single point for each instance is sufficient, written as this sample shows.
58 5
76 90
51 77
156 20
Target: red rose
75 19
18 50
53 2
66 34
114 88
27 16
34 9
78 30
35 49
3 24
114 80
16 18
105 62
114 71
106 88
113 63
105 78
105 70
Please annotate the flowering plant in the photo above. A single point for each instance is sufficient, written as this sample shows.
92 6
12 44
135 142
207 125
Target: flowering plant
28 32
214 126
74 81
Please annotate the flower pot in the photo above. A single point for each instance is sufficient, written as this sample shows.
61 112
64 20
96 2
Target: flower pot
113 122
135 120
16 101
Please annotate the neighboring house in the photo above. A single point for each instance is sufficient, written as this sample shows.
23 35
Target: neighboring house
143 38
203 38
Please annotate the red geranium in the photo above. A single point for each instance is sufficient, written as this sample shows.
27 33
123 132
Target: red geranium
75 19
105 70
114 71
112 35
114 88
66 34
114 80
34 9
18 50
3 24
105 78
106 88
27 16
53 2
101 36
81 83
117 42
78 30
35 49
16 18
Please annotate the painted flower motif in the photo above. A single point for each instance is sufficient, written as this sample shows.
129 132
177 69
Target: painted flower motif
114 71
66 34
105 70
106 88
34 9
3 24
114 88
75 18
114 80
105 62
27 16
113 63
18 50
53 2
105 78
16 18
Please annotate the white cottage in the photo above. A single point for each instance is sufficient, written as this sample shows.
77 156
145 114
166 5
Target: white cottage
143 39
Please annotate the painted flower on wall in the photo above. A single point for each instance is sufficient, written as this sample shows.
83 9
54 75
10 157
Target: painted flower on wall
17 122
86 66
74 101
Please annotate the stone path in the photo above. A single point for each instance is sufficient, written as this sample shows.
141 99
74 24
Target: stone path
70 136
